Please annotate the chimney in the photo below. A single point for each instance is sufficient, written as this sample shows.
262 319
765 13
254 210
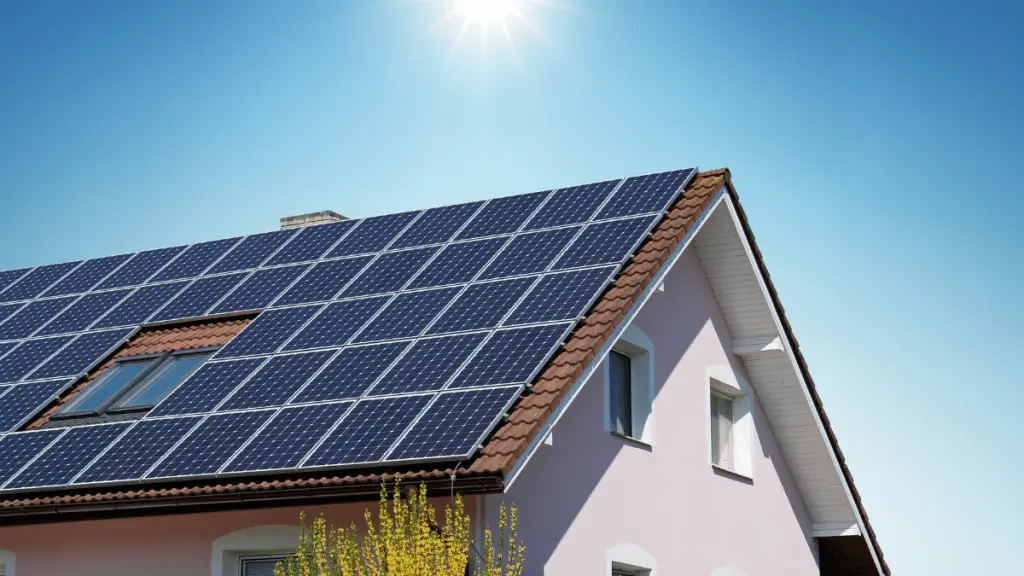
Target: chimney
311 219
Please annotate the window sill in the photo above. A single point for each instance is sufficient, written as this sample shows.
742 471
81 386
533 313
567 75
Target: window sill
631 440
732 474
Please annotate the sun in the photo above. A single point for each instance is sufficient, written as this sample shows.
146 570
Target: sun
486 13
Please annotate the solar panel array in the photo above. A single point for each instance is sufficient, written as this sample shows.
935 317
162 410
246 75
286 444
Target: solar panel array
392 339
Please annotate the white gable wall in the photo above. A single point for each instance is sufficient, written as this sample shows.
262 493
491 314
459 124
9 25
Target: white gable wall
591 497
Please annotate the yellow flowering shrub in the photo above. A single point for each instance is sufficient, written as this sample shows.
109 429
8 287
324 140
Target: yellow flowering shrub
405 540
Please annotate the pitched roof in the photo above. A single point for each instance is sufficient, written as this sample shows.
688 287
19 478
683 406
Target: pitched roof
487 470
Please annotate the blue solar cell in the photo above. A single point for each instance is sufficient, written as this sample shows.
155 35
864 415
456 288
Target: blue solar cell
482 305
198 297
389 272
252 251
82 354
367 431
5 347
67 456
288 437
259 289
135 453
33 283
503 215
32 316
140 268
574 205
276 381
351 372
84 312
195 259
141 305
312 242
530 253
270 329
336 324
7 310
511 356
206 387
8 277
429 364
87 275
606 242
407 315
19 448
564 296
23 401
436 225
323 281
645 194
455 424
372 234
20 361
206 449
458 263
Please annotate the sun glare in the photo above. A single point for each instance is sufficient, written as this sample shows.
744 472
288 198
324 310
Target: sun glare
485 13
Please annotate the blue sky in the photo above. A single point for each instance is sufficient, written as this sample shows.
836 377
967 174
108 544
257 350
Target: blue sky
877 149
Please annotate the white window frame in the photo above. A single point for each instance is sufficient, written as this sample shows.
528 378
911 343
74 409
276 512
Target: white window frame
7 563
728 382
640 350
631 559
267 540
242 558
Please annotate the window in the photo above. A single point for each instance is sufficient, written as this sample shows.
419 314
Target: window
258 565
134 384
730 421
6 563
629 393
721 430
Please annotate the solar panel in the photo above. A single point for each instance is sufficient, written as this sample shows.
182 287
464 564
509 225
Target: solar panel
573 205
288 438
645 194
367 431
323 281
23 401
605 242
84 312
530 253
19 448
5 347
195 259
7 309
503 215
140 268
81 354
372 234
429 364
206 387
268 332
32 316
87 275
482 305
458 263
389 272
259 289
563 296
135 453
511 356
198 297
67 455
351 372
252 251
20 361
8 277
336 324
33 283
407 315
311 242
140 305
210 445
275 382
436 225
454 425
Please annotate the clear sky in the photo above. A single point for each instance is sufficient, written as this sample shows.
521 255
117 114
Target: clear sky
877 147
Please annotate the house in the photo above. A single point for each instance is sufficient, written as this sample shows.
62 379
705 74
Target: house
612 358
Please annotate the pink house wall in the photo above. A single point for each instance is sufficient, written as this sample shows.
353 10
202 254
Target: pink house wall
590 491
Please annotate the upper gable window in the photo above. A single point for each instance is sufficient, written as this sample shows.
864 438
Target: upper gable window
134 384
629 387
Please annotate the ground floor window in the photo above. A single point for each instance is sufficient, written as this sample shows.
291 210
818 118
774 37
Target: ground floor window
258 565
